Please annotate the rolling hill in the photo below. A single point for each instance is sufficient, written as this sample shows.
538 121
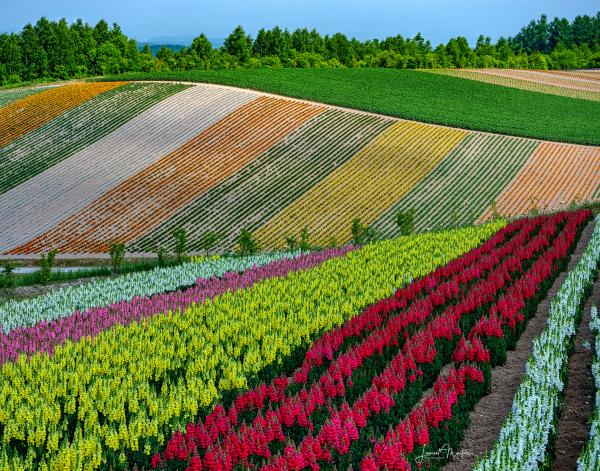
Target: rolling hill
86 163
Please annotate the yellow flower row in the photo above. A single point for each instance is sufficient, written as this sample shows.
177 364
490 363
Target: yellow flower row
110 400
374 179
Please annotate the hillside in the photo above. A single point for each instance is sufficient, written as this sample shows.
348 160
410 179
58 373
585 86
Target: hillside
131 162
422 96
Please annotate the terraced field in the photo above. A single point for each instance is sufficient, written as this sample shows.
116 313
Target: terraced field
131 162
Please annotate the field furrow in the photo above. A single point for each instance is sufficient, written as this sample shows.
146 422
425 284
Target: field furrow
8 96
463 185
365 186
546 78
554 176
515 82
268 184
72 184
75 129
145 200
29 113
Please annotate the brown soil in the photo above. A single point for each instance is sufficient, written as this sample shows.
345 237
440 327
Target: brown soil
573 428
490 412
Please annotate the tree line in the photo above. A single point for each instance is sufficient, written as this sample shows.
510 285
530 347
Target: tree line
58 50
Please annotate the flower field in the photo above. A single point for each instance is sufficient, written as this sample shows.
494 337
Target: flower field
89 384
132 162
561 83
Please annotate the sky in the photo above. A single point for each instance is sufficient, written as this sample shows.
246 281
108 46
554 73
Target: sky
437 20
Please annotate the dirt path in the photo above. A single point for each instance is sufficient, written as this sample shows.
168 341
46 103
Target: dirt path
573 427
491 410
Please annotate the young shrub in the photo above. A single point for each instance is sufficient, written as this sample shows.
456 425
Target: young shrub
304 240
180 237
406 221
46 264
247 244
534 210
291 242
358 231
160 255
117 255
8 279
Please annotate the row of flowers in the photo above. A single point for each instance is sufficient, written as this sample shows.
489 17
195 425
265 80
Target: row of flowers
65 301
372 384
589 460
527 435
111 400
44 336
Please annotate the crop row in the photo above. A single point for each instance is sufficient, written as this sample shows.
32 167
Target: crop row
527 435
29 113
76 129
331 409
547 78
514 82
143 201
65 301
126 389
45 335
463 185
265 186
554 176
589 459
8 96
76 182
366 185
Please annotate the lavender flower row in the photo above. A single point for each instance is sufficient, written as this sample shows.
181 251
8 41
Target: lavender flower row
44 336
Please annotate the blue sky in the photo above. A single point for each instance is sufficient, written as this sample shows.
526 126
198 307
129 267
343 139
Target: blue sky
437 20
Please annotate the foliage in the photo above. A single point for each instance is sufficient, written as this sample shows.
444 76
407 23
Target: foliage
209 240
59 50
116 251
8 268
46 263
247 243
180 236
421 96
406 221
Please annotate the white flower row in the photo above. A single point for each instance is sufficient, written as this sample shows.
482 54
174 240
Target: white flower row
526 434
65 301
590 456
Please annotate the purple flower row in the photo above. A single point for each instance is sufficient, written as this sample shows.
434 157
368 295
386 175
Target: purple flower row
45 336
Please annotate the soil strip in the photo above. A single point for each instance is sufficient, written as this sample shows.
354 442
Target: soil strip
489 413
573 428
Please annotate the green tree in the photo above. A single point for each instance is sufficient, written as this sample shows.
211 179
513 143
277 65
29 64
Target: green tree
405 220
46 264
180 237
239 45
203 47
117 255
108 60
247 244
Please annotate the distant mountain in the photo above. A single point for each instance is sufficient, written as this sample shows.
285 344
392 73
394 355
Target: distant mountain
176 43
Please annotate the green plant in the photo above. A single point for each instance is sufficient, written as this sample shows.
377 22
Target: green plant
46 264
534 210
247 244
8 268
291 242
180 237
304 240
160 256
406 221
117 255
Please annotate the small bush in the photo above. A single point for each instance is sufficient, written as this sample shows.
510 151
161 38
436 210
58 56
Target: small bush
46 264
180 237
247 244
117 255
406 221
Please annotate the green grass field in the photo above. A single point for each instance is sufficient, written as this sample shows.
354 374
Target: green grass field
420 96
